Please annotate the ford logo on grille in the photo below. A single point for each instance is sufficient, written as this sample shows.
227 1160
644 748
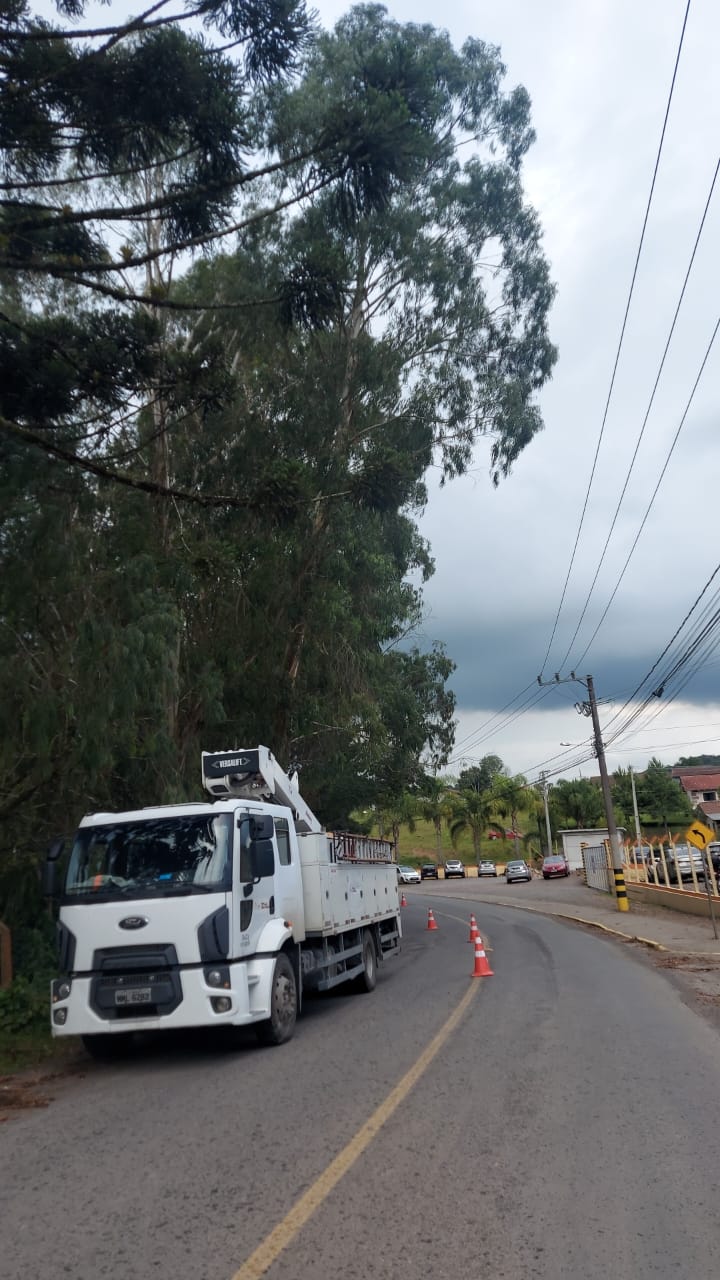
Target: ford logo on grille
133 922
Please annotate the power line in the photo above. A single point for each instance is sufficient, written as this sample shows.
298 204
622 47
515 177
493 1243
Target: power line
647 415
643 522
670 642
529 703
621 339
495 715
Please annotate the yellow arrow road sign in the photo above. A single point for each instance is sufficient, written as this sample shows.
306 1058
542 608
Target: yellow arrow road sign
700 835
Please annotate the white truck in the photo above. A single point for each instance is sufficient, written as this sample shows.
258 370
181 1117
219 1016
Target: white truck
220 913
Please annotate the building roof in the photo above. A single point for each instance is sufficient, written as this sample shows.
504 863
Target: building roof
689 769
708 780
583 831
711 809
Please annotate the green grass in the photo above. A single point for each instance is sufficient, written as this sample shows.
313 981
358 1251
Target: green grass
420 845
35 1047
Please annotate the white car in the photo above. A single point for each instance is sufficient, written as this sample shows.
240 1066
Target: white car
408 875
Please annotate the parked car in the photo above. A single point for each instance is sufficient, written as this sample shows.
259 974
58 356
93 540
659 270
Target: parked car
408 875
713 850
487 868
429 871
517 870
680 862
454 867
640 853
555 865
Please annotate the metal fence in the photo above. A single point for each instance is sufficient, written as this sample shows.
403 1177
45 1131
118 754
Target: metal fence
674 866
598 867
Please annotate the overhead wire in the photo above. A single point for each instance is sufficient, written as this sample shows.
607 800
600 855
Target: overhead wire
621 338
495 715
671 641
538 696
699 643
649 507
646 417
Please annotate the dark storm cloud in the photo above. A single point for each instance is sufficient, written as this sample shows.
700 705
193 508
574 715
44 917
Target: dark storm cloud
494 663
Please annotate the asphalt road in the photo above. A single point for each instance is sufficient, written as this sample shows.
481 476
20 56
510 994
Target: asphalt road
563 1125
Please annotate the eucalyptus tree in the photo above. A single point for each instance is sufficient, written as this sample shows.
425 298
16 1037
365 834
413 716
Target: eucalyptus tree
430 302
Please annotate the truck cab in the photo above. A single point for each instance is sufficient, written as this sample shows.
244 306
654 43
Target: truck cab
212 913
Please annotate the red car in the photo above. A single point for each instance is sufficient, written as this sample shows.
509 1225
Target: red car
556 865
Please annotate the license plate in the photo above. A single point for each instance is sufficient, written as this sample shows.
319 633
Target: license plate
137 995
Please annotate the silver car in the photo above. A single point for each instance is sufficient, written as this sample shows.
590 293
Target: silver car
517 871
454 867
680 862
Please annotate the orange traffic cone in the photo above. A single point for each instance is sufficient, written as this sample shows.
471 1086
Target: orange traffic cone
403 902
473 929
482 968
432 923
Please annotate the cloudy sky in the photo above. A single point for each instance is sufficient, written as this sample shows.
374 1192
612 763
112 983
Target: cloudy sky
599 75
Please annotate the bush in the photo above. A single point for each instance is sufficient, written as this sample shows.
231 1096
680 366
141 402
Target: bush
23 1006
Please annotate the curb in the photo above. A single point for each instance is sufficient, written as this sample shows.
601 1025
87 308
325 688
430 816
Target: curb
591 924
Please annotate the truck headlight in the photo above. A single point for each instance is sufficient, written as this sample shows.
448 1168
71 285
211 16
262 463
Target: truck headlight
61 989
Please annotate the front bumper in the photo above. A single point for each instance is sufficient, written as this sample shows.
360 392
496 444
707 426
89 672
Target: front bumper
249 995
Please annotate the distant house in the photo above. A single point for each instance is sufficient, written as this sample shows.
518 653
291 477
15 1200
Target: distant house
574 837
701 784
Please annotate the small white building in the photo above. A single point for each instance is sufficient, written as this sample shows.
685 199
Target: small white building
573 839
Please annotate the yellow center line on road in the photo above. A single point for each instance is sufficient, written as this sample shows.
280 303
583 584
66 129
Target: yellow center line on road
284 1233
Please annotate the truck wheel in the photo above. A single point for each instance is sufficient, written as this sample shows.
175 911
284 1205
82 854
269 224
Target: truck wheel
283 1005
108 1048
367 980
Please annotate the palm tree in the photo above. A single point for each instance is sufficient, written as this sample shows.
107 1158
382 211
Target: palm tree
510 796
433 806
396 814
471 811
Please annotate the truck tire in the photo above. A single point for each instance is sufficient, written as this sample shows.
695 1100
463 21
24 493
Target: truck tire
106 1047
367 980
280 1026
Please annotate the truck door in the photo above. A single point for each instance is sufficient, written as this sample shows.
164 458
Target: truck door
288 903
255 892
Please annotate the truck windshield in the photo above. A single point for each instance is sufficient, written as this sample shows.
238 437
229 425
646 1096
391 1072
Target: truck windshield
189 853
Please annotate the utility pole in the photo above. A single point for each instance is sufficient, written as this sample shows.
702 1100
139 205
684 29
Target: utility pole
620 890
635 811
589 708
543 783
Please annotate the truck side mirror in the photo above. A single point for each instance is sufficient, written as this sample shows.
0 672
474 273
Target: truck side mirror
49 874
262 827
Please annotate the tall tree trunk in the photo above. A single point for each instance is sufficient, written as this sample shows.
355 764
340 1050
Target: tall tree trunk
354 327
